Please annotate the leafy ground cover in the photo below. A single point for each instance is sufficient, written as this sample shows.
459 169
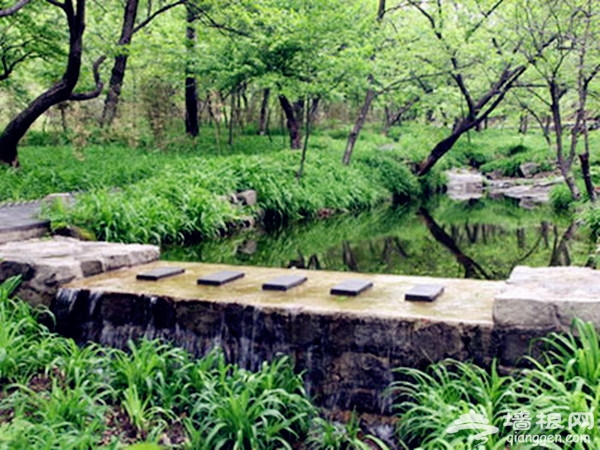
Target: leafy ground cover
56 395
564 380
179 192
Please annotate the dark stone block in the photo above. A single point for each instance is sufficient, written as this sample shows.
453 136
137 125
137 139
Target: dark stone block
161 272
284 282
433 342
351 287
424 292
91 267
307 329
220 278
10 269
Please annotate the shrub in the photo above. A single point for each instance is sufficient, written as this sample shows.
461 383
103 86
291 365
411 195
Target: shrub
561 198
517 149
591 218
394 175
188 198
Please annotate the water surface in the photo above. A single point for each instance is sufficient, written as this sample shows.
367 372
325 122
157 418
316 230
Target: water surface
481 239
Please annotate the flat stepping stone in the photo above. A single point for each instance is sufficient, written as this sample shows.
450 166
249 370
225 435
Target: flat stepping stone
220 278
351 287
160 273
424 292
284 282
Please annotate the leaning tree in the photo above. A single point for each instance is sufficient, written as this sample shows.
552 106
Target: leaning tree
468 45
62 90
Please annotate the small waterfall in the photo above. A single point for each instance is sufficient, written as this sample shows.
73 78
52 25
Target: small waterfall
95 297
337 355
76 313
64 302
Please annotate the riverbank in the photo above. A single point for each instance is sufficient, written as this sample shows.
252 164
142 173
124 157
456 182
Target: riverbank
182 192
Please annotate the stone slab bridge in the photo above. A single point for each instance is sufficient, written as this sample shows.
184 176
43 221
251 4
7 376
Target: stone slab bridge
346 345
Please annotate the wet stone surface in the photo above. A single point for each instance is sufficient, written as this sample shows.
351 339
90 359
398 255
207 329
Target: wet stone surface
21 221
347 347
47 264
548 298
537 301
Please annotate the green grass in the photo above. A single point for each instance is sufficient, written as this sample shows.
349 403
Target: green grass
56 395
45 170
176 194
188 197
565 379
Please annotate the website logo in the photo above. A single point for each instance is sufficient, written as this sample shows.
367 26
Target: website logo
475 422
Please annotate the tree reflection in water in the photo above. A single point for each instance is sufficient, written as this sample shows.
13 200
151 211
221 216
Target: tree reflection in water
482 240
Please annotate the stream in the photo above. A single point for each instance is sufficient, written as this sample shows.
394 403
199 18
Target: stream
477 239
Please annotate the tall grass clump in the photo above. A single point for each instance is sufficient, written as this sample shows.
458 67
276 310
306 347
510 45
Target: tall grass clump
189 199
394 175
561 198
56 395
565 379
49 395
234 408
25 345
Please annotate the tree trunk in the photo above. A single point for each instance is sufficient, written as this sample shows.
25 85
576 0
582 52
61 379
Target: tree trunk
60 92
369 97
307 122
393 119
584 158
523 123
118 71
231 118
381 10
359 123
478 111
192 127
292 121
264 112
564 164
438 151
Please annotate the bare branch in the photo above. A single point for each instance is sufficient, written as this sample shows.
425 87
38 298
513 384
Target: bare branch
485 14
8 67
422 10
55 3
219 26
395 8
99 84
412 78
156 13
13 9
